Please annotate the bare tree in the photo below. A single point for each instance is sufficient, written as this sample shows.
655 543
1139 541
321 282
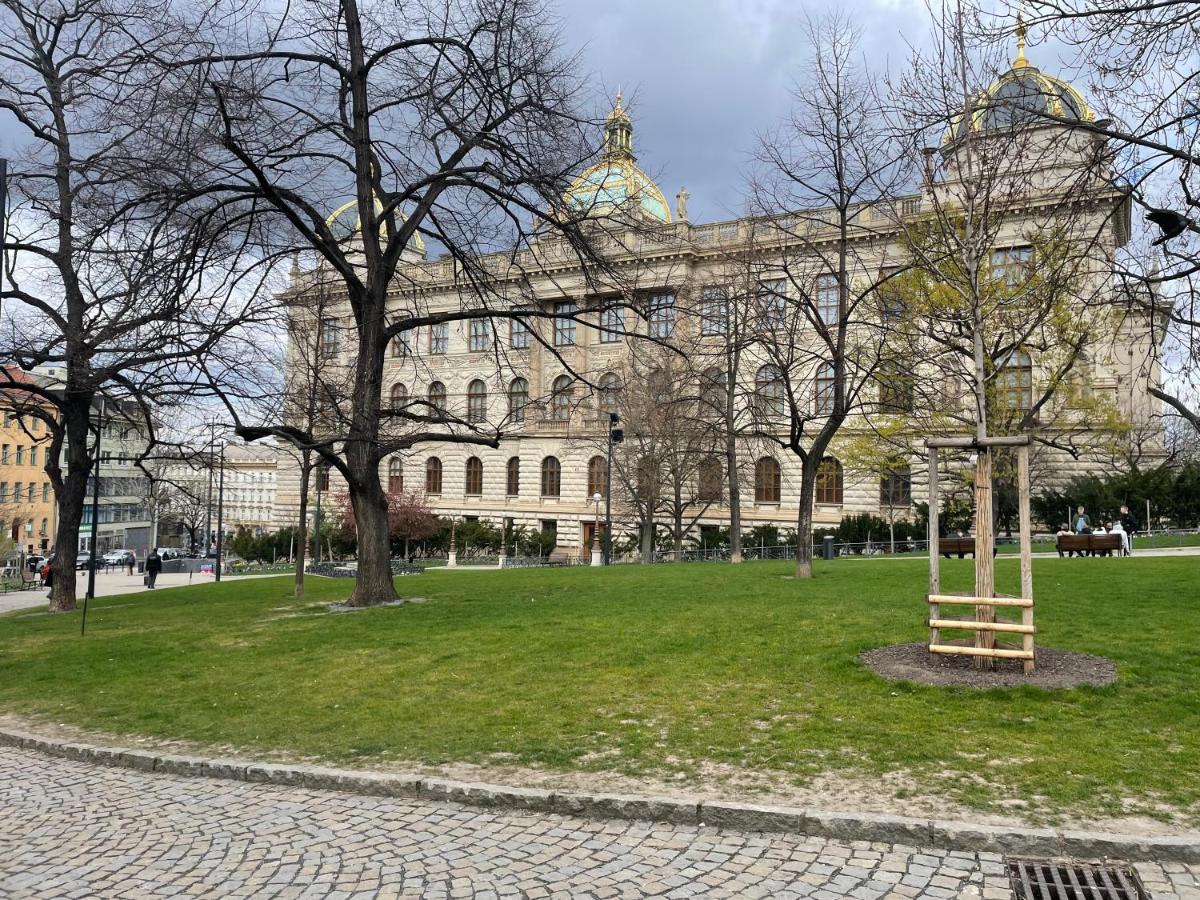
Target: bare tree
448 123
831 169
122 296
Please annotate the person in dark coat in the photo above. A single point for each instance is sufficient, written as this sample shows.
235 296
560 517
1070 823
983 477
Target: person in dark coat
153 567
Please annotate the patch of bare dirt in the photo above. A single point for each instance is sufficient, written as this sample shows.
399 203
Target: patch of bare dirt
1053 669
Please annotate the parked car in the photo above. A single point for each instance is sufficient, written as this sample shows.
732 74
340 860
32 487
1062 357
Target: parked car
34 561
170 553
82 560
117 558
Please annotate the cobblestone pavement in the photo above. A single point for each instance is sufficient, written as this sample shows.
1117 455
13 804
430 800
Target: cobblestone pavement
70 829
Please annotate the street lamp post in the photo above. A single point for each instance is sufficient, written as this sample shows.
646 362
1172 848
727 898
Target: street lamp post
615 436
503 543
597 553
452 556
220 518
91 584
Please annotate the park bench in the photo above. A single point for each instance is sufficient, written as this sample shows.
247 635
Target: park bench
399 568
1088 544
960 545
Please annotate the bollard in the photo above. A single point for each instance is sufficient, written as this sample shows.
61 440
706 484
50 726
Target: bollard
827 550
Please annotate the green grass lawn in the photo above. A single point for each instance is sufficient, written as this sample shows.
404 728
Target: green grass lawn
646 671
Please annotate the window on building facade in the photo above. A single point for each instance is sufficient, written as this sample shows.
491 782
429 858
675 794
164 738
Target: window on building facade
714 311
481 335
825 390
30 492
437 398
828 299
512 480
1012 265
395 476
433 475
1014 384
474 476
4 454
518 399
560 398
662 316
476 401
711 480
771 302
767 481
439 338
3 491
402 345
896 388
20 455
712 392
45 492
33 456
564 323
551 477
610 392
769 391
892 308
612 324
895 488
399 396
518 334
330 337
829 481
597 477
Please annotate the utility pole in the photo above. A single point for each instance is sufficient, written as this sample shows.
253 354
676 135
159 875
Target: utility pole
91 584
220 518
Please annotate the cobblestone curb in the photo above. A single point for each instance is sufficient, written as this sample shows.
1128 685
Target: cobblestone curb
948 835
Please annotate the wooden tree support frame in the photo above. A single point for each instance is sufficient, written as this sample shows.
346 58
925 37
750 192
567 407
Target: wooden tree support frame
985 626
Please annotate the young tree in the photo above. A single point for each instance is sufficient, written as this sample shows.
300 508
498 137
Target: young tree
832 168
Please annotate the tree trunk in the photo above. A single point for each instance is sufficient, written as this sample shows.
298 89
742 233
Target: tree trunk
374 583
648 542
804 520
735 498
71 495
302 528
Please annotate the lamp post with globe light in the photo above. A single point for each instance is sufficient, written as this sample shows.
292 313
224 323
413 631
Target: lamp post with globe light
597 553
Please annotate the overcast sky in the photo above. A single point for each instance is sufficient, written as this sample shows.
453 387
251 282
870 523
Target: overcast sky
708 75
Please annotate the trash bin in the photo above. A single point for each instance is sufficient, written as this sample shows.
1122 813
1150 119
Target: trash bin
141 567
827 549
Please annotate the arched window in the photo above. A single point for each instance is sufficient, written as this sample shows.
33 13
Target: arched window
399 396
825 390
437 398
829 481
395 476
474 476
1014 384
768 386
45 526
712 392
597 477
610 392
551 477
518 399
560 398
513 479
896 388
895 488
433 475
711 481
476 401
767 481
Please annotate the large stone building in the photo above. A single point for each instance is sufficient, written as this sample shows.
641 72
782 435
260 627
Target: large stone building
27 508
554 380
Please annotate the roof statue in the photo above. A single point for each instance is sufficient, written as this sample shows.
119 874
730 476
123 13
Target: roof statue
681 201
1024 95
616 184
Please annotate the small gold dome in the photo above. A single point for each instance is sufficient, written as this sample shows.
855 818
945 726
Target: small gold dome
346 225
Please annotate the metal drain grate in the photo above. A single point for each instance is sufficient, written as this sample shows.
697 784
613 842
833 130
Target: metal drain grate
1051 879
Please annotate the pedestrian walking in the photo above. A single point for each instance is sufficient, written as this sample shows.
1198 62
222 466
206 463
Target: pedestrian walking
131 560
153 567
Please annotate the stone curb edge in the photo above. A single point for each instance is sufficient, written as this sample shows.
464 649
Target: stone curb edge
947 835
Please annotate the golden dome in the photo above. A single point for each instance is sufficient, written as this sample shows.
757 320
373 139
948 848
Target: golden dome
616 184
345 224
1024 95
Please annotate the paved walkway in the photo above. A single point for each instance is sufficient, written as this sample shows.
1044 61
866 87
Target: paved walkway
109 583
70 829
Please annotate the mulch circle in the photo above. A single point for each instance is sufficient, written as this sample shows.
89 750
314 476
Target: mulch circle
1054 669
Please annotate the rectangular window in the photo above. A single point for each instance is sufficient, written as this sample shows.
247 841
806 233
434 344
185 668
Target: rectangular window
4 454
33 456
662 316
518 334
20 455
714 311
481 335
330 337
402 345
1012 265
439 338
772 303
828 299
30 492
612 325
45 492
564 323
3 491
